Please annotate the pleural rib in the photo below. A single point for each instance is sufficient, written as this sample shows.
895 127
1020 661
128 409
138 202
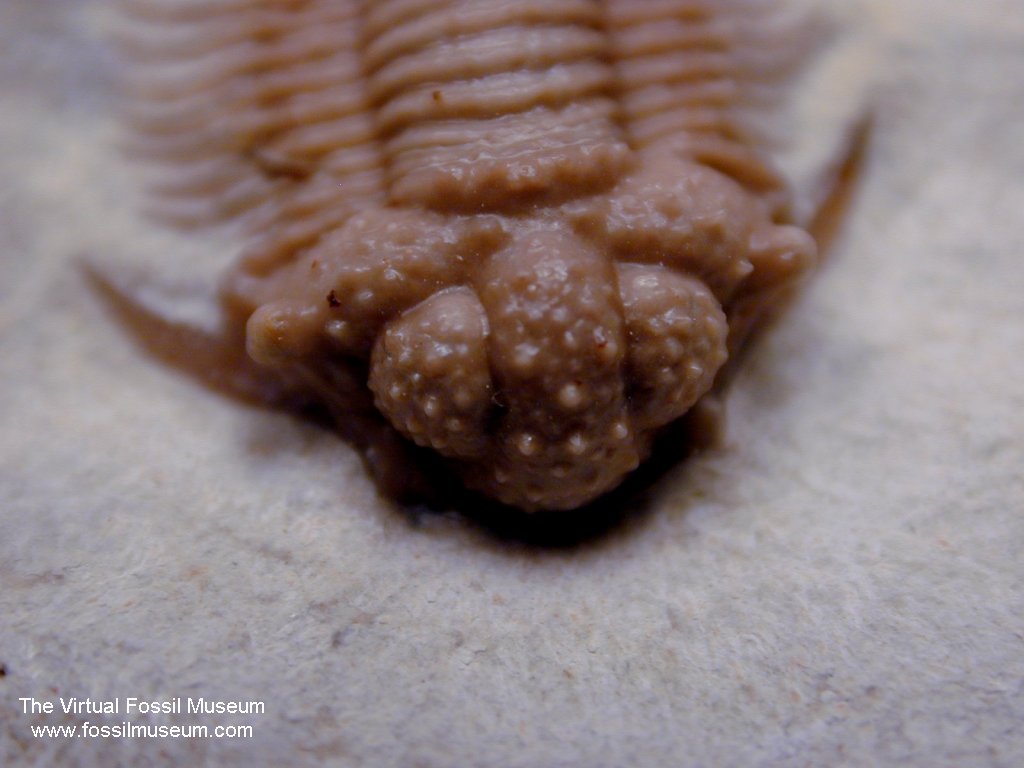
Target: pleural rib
705 75
252 109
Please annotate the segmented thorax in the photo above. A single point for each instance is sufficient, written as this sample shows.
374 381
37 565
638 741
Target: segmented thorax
482 105
535 220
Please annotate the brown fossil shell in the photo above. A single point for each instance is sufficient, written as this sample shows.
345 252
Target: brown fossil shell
538 227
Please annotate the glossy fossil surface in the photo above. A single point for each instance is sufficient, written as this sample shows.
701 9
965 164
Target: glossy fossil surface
540 227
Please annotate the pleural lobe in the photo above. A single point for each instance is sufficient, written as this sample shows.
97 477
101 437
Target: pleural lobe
253 110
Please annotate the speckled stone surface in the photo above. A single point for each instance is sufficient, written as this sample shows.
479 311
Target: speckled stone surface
839 584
